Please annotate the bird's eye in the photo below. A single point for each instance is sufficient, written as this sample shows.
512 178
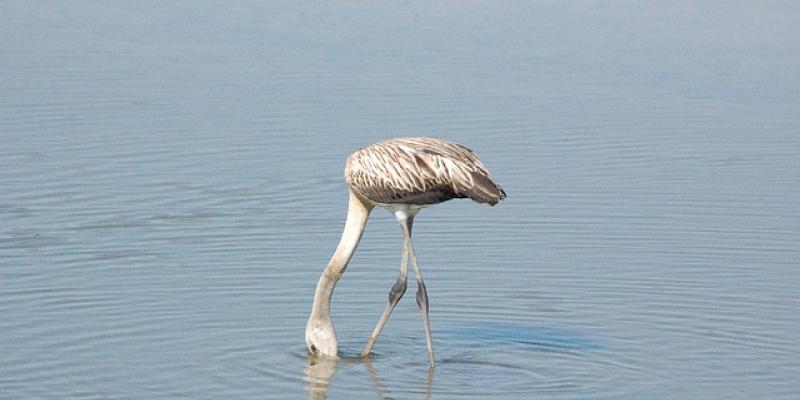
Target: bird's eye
313 348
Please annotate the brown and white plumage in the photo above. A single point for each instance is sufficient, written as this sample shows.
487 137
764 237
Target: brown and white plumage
420 171
401 175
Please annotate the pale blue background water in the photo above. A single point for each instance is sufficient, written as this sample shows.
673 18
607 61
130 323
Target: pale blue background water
170 189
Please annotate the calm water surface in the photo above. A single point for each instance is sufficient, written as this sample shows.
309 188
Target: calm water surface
171 188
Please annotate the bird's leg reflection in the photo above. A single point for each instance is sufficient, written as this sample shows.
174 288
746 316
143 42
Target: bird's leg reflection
377 384
381 392
318 374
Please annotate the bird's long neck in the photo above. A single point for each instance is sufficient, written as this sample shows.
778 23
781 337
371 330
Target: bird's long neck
357 214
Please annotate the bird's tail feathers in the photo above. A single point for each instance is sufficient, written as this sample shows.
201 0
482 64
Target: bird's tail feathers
485 190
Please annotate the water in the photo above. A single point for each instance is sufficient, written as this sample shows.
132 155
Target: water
170 190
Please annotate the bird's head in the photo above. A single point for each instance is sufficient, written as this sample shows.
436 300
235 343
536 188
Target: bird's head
321 337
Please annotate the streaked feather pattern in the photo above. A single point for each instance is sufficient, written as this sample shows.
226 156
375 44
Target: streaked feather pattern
420 171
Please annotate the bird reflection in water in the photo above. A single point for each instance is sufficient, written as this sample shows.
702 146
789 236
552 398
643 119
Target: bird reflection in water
319 372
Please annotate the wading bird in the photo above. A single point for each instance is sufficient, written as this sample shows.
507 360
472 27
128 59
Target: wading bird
401 175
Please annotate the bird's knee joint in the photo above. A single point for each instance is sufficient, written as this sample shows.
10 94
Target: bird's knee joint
398 289
422 297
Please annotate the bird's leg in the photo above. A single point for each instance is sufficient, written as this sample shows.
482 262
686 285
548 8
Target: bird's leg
395 294
422 294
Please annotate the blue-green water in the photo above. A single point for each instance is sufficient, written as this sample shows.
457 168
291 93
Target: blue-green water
171 188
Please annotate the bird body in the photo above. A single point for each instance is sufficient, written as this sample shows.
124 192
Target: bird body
419 171
401 175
